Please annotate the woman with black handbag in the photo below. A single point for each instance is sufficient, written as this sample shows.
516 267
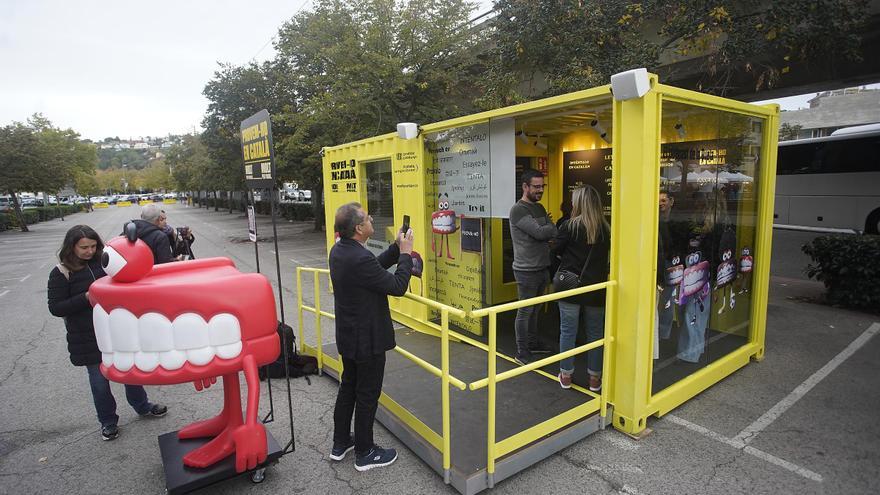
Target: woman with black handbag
583 243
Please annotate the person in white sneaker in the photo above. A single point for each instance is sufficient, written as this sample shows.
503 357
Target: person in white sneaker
583 243
364 332
69 283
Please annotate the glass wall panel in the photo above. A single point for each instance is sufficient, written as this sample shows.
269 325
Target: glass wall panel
380 204
709 169
458 187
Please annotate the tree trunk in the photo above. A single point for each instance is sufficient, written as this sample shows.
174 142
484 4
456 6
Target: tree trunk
18 214
318 207
216 201
58 204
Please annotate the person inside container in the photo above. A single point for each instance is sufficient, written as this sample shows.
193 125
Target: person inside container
669 266
531 230
583 242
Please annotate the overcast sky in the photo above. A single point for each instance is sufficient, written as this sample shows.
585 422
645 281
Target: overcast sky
131 69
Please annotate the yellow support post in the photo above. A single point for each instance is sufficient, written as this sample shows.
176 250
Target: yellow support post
607 353
635 162
490 418
299 307
764 238
320 343
444 384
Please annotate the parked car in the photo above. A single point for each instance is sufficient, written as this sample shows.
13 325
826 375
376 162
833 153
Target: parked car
297 195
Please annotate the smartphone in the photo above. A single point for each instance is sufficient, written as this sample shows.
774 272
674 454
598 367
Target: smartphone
405 227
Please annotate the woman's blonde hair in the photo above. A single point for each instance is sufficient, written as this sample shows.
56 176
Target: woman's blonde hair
587 213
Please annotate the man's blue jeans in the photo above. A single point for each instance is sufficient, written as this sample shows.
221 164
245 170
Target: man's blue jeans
570 316
692 339
105 404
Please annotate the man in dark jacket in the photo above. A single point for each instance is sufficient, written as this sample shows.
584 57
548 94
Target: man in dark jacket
150 230
364 332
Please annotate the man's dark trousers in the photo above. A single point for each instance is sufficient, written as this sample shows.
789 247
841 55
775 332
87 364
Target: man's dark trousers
359 394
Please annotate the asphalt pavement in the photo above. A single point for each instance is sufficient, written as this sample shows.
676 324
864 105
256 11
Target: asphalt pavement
801 421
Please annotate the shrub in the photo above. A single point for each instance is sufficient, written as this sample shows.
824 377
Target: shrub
849 266
31 216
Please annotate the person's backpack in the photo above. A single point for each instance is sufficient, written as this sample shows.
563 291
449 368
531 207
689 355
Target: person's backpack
297 365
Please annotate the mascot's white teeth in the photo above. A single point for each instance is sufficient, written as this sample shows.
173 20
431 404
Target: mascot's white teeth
153 340
693 280
444 223
725 273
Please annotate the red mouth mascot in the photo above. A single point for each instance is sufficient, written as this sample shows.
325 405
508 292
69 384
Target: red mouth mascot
184 322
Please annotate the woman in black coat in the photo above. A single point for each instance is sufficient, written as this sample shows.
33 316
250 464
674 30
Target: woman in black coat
69 284
583 243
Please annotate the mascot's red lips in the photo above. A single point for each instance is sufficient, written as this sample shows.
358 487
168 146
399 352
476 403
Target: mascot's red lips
182 321
443 222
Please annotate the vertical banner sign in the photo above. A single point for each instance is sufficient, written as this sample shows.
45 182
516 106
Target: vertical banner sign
252 224
257 151
588 167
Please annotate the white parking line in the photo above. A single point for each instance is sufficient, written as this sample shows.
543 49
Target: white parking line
25 278
4 293
621 442
739 445
741 440
750 432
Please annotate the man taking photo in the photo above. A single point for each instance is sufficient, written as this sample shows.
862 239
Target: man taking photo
364 332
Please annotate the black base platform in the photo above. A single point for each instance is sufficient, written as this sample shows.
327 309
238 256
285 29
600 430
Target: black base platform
182 479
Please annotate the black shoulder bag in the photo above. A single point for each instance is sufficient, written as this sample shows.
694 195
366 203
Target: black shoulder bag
566 280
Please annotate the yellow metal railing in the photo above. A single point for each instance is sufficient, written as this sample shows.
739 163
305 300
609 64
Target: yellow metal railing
496 450
441 442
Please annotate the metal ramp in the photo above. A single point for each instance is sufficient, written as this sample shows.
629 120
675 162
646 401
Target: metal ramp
525 401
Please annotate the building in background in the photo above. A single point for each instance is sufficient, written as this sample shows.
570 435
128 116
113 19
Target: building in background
829 111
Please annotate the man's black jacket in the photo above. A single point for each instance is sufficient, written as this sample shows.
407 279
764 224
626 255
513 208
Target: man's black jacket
361 286
156 239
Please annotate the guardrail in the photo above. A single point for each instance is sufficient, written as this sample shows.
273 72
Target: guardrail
496 450
441 442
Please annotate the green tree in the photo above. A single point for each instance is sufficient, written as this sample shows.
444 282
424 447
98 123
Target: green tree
788 132
544 48
236 93
360 67
188 161
40 157
18 164
157 176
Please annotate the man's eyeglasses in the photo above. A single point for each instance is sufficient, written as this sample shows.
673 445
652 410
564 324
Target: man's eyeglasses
367 218
537 186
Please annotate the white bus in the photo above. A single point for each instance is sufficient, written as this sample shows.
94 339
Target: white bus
830 183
